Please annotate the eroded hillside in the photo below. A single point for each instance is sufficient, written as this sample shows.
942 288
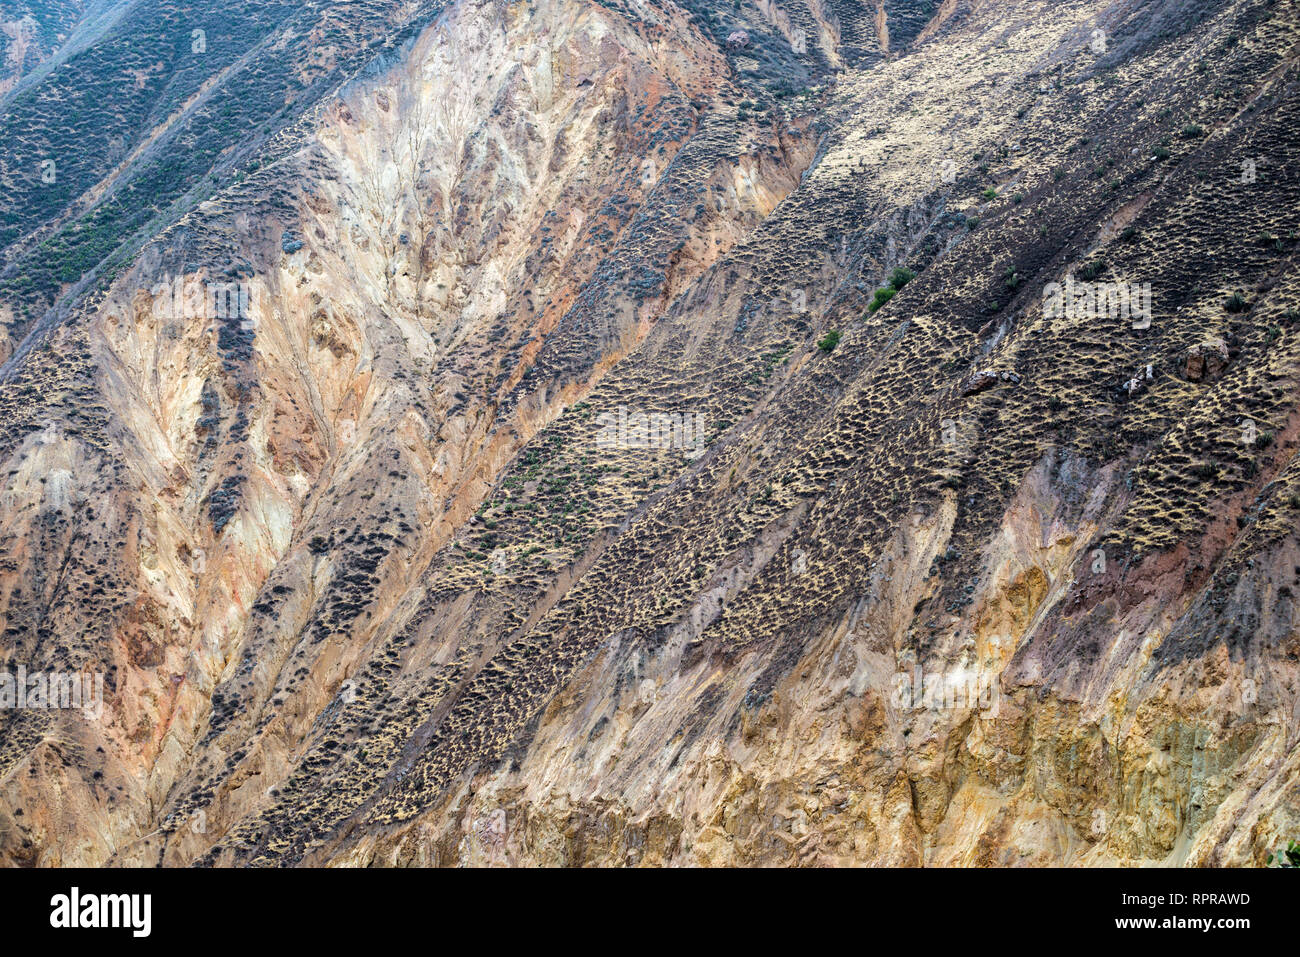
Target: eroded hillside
315 440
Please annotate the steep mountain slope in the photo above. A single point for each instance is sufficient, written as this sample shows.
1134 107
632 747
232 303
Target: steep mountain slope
377 573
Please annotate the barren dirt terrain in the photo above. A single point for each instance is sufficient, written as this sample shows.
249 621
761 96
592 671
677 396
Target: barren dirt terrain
624 432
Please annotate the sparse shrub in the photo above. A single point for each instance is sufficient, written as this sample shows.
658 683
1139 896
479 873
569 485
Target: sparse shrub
1191 131
990 193
1289 858
1236 303
882 296
900 277
1092 270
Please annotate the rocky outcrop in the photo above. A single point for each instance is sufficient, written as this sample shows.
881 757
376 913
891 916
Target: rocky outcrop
1205 361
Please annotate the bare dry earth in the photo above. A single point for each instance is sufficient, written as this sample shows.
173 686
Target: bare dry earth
368 589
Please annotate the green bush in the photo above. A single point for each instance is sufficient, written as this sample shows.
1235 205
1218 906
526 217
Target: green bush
900 277
829 341
1288 858
882 296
